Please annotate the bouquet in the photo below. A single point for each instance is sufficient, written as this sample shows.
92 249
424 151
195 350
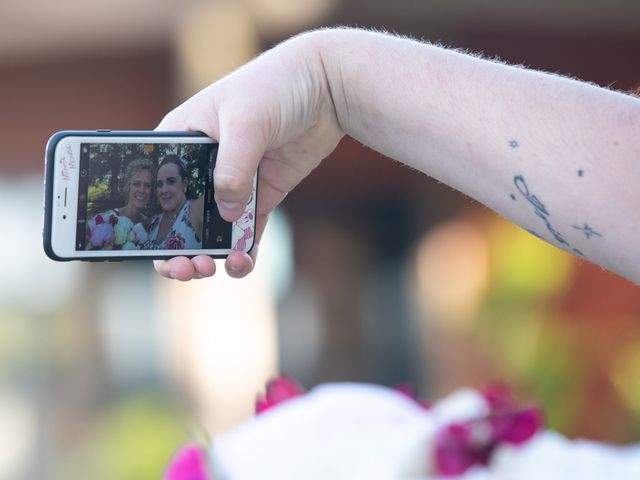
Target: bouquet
110 231
360 431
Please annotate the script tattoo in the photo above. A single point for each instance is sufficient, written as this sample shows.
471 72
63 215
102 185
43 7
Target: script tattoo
541 211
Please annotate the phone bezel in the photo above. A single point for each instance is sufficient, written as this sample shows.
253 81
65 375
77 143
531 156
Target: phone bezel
50 241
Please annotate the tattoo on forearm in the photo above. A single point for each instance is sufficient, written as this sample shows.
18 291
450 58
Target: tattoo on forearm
536 234
538 207
541 211
514 144
588 231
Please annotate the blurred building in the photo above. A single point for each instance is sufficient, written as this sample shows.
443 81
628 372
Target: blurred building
108 368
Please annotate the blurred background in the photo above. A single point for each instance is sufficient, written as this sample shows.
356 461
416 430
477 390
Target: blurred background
369 272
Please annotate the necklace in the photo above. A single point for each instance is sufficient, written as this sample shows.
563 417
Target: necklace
169 219
166 225
172 217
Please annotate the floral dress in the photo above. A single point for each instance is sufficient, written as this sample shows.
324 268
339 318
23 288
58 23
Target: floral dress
181 236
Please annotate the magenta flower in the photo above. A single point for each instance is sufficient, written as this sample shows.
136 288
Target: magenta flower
189 463
456 451
279 390
461 445
175 242
498 396
516 427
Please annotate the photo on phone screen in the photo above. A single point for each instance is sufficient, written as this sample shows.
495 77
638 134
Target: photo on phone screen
140 198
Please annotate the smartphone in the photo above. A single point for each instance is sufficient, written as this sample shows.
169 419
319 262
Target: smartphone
121 195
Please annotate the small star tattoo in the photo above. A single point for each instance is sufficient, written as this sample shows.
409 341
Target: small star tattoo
514 144
588 231
580 172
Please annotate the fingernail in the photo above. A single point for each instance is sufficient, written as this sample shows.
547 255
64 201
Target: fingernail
235 269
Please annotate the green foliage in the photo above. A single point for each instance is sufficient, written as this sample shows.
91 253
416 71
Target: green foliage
134 440
525 268
197 159
108 163
99 191
556 376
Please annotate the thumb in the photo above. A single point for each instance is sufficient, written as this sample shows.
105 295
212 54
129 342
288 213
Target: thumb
242 146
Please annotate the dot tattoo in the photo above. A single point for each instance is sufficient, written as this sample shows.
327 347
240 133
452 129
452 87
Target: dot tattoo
514 144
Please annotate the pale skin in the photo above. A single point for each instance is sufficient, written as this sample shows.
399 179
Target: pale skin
557 156
139 193
171 190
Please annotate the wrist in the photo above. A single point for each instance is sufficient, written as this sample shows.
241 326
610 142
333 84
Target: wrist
347 56
323 51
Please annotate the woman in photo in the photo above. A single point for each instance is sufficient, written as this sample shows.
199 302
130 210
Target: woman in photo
179 225
125 228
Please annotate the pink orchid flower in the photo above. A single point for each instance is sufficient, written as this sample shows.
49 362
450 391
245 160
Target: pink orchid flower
279 389
461 445
189 463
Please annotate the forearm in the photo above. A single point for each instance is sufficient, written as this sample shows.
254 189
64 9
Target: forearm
559 157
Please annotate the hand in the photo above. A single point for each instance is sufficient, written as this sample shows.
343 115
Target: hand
276 112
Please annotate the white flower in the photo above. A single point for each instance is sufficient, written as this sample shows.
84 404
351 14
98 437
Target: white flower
336 431
138 234
550 456
359 431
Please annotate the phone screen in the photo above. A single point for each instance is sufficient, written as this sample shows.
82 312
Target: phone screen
138 197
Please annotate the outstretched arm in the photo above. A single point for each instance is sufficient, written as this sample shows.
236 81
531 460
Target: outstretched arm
557 156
